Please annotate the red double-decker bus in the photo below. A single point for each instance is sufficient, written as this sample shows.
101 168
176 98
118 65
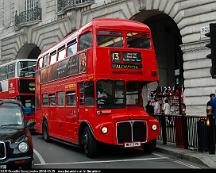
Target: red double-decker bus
17 81
89 87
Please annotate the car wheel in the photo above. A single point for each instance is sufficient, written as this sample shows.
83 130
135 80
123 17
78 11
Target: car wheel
45 131
89 143
150 146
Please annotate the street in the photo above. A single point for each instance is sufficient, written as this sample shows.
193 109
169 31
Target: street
57 155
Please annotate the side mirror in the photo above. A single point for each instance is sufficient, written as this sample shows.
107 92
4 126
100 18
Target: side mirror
30 124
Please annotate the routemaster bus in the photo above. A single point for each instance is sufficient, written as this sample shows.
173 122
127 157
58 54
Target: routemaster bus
17 81
89 87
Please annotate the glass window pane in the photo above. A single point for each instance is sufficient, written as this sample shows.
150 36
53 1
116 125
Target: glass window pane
26 68
52 58
85 41
62 54
45 99
46 60
72 49
89 93
71 98
138 40
109 39
52 99
61 98
40 64
11 70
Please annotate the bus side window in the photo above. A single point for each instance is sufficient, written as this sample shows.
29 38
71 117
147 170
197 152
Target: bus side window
52 100
85 41
72 48
45 100
61 98
3 73
46 60
11 70
82 97
61 53
40 63
71 98
53 56
89 93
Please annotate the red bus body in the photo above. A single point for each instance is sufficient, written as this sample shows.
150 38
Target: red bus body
20 87
66 90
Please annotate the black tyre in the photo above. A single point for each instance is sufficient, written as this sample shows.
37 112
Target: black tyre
150 146
89 143
45 131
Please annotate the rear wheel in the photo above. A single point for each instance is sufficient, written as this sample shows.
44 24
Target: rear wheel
150 146
89 143
45 131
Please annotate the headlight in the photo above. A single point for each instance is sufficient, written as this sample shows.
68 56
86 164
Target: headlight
23 147
104 130
154 127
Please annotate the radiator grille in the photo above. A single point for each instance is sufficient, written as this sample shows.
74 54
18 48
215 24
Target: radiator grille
131 131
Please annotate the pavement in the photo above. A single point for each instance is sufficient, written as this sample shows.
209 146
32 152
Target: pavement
194 156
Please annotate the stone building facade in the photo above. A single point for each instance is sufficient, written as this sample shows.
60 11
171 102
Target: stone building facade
27 27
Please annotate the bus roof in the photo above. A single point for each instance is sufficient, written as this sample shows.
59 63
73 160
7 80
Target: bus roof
16 60
106 23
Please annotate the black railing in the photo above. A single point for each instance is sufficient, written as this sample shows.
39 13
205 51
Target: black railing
189 132
65 5
28 17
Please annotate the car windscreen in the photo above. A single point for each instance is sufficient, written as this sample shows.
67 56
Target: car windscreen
10 115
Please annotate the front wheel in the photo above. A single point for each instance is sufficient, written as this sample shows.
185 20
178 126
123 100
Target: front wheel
89 143
150 146
45 131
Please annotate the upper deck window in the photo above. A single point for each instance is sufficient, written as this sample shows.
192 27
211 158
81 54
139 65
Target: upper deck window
11 70
26 68
40 63
61 54
46 60
53 58
72 47
85 41
138 40
3 73
109 39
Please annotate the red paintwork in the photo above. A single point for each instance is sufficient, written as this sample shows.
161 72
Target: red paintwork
64 122
13 93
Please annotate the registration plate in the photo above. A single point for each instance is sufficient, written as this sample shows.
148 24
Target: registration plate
3 166
132 144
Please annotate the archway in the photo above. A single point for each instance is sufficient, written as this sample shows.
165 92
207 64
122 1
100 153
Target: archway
28 51
167 40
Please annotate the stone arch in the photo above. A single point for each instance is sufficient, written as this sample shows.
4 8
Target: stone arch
28 51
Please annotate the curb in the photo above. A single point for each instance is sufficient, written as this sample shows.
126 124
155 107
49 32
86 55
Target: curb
182 155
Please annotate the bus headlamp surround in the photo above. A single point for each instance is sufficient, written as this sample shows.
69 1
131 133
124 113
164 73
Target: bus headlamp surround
154 127
23 147
104 130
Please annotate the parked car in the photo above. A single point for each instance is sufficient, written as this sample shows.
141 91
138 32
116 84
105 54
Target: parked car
16 150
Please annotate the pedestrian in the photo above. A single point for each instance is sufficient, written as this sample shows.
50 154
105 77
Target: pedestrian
211 113
166 111
208 105
149 108
156 107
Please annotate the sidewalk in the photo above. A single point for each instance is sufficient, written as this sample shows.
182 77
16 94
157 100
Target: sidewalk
203 158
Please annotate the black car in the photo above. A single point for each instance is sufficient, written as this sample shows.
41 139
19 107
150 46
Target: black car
16 150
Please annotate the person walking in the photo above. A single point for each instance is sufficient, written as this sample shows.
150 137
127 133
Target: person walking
149 108
208 105
156 107
166 111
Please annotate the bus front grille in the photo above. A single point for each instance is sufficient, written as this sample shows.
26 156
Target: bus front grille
2 150
131 131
